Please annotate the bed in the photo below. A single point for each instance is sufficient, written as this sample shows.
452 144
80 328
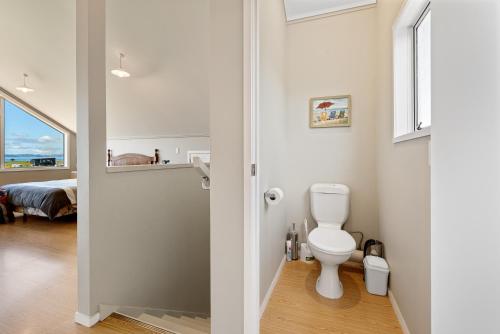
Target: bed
132 159
51 199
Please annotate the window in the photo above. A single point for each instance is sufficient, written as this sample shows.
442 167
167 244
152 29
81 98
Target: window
412 71
28 141
422 70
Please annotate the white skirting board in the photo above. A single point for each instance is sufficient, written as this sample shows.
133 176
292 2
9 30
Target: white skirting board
273 285
87 320
399 315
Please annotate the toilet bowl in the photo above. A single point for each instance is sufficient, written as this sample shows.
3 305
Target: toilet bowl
331 248
330 245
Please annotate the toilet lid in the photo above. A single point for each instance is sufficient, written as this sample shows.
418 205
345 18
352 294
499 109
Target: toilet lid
332 241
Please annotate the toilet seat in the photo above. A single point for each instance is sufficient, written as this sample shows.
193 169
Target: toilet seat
332 241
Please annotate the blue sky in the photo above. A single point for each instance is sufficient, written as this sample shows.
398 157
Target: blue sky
25 134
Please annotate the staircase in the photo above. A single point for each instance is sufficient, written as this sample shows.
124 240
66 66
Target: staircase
173 322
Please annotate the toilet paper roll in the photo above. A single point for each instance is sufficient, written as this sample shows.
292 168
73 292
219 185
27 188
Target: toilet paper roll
274 196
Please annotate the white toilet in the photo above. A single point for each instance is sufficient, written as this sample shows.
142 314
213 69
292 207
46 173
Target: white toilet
329 244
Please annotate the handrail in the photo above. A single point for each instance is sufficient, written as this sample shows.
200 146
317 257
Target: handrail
204 171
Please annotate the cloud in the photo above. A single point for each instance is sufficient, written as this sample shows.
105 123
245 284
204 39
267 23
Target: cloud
45 139
24 144
38 151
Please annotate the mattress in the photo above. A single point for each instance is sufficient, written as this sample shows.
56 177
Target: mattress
50 198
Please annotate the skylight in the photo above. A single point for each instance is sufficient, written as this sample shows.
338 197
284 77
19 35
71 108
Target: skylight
300 9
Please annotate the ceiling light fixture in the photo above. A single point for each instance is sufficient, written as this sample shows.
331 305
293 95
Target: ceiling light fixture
24 88
120 72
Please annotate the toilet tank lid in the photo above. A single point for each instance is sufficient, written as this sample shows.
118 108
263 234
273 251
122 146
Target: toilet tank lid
329 188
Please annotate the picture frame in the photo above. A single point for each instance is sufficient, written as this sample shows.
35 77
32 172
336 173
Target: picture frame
330 111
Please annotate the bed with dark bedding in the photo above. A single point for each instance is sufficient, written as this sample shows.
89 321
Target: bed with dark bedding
50 199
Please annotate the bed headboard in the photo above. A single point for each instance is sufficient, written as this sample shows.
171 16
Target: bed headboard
129 159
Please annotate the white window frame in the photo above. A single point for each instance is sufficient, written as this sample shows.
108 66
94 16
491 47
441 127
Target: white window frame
28 109
405 127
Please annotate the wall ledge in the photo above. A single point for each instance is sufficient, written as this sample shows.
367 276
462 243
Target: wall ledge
35 169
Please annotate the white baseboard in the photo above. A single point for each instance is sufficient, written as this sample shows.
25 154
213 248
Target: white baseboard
399 315
87 320
269 292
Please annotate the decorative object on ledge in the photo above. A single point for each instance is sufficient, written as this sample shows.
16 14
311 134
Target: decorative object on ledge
330 111
132 159
157 156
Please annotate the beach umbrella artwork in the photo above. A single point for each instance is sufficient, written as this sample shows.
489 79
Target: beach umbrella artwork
325 105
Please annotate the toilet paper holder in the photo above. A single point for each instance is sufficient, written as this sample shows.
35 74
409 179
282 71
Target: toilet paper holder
270 195
273 196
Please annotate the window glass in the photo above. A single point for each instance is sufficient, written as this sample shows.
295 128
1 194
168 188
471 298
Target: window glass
423 72
30 142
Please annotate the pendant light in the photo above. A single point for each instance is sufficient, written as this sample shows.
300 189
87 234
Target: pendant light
24 88
120 72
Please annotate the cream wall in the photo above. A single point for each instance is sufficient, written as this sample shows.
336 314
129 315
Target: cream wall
335 55
133 228
272 140
351 54
226 169
38 38
167 56
403 176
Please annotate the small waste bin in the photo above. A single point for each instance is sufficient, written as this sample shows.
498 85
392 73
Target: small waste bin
376 275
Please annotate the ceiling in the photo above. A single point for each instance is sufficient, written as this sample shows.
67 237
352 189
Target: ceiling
300 9
166 48
38 38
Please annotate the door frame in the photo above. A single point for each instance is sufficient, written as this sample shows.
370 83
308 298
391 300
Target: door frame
251 171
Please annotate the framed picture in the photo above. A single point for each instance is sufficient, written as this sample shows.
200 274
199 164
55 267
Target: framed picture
330 111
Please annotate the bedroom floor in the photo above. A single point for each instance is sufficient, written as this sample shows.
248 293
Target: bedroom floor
38 280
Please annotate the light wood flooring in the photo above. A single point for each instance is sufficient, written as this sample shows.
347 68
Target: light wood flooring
296 308
38 281
38 291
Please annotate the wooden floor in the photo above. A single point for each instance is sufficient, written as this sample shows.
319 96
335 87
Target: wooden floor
38 281
296 308
38 291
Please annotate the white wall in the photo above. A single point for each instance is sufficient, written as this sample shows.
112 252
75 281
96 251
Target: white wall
333 56
465 166
403 177
272 139
167 145
166 48
143 237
